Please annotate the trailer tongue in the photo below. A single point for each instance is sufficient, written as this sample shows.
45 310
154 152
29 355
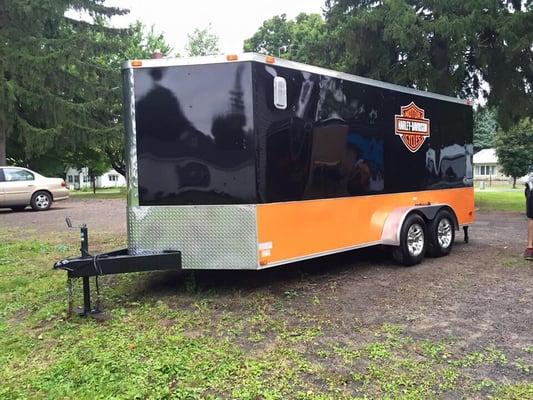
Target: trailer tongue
114 262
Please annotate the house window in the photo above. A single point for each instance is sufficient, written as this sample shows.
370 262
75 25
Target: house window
113 178
76 179
85 178
487 170
70 179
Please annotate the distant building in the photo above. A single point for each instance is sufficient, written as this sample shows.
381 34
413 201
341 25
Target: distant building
80 179
486 166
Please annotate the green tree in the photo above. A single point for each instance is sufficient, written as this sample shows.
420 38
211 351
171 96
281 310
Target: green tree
53 91
272 36
142 43
94 159
202 42
485 127
514 149
299 39
447 46
139 43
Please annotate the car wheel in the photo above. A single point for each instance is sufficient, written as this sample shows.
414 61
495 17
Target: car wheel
18 208
41 201
412 248
441 234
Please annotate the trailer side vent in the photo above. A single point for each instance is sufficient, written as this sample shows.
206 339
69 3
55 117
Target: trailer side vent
280 93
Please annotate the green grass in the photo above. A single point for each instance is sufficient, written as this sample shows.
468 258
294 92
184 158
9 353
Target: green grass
504 200
184 342
111 193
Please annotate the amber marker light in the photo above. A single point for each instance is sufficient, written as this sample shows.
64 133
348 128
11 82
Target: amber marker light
270 60
232 57
136 63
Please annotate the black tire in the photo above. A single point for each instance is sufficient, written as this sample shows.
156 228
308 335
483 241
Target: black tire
441 234
41 201
409 253
18 208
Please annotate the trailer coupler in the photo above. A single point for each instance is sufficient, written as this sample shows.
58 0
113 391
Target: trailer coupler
114 262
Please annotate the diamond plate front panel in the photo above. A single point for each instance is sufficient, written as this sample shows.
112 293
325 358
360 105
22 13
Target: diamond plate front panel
209 237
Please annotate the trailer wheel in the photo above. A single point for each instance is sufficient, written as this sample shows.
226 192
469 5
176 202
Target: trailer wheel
441 234
412 248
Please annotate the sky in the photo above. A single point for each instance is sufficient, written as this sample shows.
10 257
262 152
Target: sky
231 20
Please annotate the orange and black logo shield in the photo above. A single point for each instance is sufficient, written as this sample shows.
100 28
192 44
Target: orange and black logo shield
411 126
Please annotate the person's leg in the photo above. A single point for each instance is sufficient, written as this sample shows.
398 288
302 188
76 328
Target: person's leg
528 255
530 233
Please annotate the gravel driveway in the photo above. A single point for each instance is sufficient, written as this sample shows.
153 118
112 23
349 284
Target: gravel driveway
99 215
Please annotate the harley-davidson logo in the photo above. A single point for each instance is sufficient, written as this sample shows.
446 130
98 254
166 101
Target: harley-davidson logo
411 126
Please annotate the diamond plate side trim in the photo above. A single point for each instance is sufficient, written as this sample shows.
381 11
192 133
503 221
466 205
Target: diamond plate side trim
209 237
131 138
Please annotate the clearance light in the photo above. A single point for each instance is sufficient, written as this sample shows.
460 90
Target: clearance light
232 57
270 60
136 63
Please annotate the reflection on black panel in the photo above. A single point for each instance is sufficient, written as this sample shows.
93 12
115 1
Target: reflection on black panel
330 143
194 134
337 138
287 155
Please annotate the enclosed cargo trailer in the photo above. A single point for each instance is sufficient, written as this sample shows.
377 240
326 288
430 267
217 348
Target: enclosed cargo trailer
248 162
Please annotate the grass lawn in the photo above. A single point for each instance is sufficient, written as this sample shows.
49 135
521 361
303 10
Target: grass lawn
500 197
111 193
177 340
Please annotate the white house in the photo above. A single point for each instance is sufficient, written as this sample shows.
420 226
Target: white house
80 179
486 166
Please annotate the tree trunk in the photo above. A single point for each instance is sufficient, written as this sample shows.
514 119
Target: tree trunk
93 181
3 142
514 182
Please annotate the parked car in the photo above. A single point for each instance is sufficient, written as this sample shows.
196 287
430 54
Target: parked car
21 187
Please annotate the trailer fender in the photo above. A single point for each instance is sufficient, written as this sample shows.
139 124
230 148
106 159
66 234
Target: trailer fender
393 223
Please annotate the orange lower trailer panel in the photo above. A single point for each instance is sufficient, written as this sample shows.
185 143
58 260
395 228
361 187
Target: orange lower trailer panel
298 230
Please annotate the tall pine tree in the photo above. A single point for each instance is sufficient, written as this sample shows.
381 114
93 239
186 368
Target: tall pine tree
54 86
447 46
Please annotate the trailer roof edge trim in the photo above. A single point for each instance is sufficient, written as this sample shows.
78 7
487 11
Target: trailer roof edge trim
219 59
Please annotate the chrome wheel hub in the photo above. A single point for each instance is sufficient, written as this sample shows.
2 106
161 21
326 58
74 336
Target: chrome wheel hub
444 233
42 201
415 240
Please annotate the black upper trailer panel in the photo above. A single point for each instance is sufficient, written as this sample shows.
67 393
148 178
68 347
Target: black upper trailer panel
194 128
209 133
337 138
